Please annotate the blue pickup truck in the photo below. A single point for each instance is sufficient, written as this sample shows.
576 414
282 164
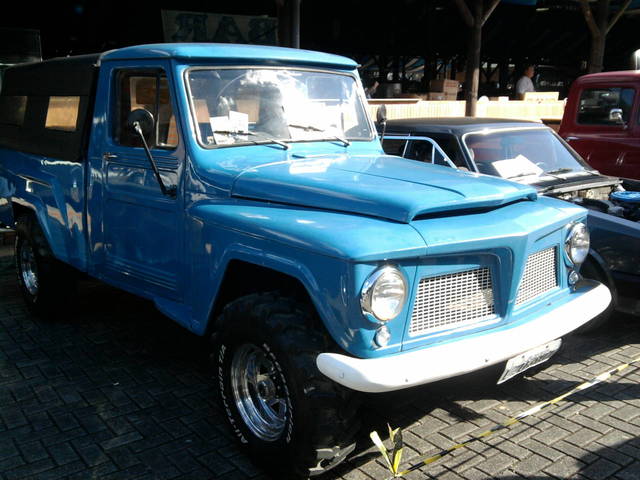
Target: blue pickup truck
245 192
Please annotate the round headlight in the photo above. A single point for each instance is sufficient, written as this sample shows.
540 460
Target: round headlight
384 294
577 244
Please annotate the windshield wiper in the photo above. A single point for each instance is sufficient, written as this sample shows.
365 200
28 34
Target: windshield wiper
558 170
550 173
522 175
311 128
253 134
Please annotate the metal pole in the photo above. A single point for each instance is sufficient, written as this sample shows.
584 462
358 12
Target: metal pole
295 23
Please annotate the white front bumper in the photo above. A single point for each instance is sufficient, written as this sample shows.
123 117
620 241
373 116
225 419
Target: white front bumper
429 364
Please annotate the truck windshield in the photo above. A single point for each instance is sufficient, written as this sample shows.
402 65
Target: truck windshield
234 106
525 154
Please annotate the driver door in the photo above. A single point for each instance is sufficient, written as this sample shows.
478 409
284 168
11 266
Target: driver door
137 234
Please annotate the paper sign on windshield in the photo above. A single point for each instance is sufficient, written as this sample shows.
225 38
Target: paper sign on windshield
234 122
516 167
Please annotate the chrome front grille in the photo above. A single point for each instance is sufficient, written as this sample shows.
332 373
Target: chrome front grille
539 275
452 301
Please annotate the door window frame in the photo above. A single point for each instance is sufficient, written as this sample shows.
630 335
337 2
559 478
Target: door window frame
158 72
634 118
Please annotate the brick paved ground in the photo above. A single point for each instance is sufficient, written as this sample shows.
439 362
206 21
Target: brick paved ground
117 391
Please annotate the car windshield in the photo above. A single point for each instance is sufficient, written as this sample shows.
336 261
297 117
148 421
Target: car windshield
270 105
523 154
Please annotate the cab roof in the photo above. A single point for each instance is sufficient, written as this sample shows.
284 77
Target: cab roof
230 54
455 125
619 76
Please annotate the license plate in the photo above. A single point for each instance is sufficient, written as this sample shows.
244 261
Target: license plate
529 359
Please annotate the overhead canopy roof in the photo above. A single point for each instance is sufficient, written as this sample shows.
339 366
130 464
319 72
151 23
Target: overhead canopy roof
57 76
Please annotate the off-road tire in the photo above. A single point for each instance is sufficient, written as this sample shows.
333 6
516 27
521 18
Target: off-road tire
321 421
56 282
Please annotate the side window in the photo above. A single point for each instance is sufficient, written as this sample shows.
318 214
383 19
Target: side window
149 91
596 104
62 113
449 145
425 151
12 109
394 147
420 150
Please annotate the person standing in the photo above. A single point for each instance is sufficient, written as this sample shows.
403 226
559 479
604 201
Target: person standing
371 88
525 84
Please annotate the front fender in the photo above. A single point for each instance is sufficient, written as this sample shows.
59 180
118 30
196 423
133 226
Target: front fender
322 277
317 248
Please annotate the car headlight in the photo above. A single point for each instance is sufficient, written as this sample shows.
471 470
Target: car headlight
384 293
577 244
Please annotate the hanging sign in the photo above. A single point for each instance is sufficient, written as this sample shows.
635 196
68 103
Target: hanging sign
181 26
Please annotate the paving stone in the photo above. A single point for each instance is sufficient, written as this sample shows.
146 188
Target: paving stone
565 467
32 469
496 464
216 463
92 455
457 431
34 451
600 470
10 463
550 434
531 465
597 411
541 449
632 472
614 438
62 471
121 440
63 453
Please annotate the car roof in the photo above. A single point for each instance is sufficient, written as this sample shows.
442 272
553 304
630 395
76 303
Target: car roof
457 125
227 52
619 76
79 69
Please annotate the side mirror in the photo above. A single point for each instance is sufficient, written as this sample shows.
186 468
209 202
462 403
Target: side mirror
381 118
143 119
615 116
381 115
141 122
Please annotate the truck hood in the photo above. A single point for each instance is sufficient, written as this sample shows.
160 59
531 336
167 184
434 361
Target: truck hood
382 186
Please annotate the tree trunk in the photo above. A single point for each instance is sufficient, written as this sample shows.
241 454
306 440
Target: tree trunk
295 23
472 74
284 23
599 25
596 55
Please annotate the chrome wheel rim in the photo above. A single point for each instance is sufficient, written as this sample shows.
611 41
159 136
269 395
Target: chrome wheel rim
259 392
29 268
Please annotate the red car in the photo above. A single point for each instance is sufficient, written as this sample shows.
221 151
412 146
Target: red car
602 122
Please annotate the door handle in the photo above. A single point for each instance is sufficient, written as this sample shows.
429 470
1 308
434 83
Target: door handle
572 138
109 156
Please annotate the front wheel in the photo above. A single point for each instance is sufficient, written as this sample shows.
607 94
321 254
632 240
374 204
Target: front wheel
292 419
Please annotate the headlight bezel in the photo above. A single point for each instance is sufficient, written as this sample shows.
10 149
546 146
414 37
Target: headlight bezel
368 288
576 230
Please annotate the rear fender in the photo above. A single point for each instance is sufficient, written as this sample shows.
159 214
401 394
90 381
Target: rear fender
29 198
7 218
